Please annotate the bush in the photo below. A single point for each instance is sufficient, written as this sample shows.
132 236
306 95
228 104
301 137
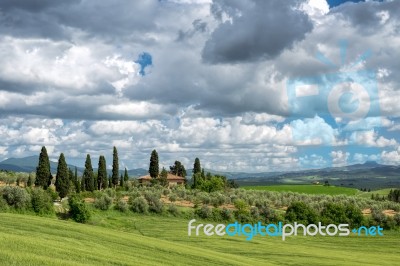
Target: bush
42 202
3 205
204 212
301 213
139 205
16 197
172 197
110 192
78 209
396 218
333 213
155 204
121 206
226 215
172 209
104 202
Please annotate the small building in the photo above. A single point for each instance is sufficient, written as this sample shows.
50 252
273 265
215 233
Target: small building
173 180
315 182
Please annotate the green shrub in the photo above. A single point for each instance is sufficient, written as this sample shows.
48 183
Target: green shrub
104 202
42 202
139 205
396 218
172 209
204 212
217 215
110 192
227 215
354 215
78 209
172 197
3 205
333 213
16 197
166 191
121 206
301 213
155 204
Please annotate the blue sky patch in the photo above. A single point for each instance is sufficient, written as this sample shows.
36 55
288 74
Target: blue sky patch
144 60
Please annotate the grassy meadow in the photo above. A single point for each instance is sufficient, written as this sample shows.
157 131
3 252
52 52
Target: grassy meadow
114 238
307 189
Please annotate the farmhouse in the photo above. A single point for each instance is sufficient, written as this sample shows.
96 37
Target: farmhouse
173 180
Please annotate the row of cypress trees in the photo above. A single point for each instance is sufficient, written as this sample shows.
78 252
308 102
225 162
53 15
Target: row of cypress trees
65 178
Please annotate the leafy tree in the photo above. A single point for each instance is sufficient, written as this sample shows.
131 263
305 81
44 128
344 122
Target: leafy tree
41 201
126 176
88 177
154 167
115 168
178 169
29 184
43 173
196 166
78 209
301 213
102 176
164 177
62 177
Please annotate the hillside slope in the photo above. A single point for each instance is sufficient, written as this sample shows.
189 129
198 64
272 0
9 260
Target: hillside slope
31 240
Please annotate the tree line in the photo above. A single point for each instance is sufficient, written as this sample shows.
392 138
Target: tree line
67 179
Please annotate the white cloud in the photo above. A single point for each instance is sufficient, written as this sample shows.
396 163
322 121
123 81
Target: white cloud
339 158
371 139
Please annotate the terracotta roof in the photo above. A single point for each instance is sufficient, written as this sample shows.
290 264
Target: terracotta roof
169 177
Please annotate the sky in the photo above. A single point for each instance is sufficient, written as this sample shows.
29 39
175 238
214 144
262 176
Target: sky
245 85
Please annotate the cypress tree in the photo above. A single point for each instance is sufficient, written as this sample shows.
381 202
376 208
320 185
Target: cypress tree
77 183
115 168
71 179
29 184
102 176
121 181
126 176
154 167
196 166
88 177
178 169
109 182
43 174
62 177
82 185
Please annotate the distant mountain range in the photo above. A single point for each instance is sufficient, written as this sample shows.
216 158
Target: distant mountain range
369 174
29 164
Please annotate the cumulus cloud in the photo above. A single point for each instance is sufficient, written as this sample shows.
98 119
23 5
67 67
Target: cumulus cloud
216 87
250 34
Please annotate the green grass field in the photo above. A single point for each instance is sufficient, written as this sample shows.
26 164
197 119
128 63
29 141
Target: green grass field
380 192
307 189
113 238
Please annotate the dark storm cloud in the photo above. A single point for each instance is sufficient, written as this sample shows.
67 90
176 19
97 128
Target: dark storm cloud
367 16
34 5
258 29
197 26
115 20
34 18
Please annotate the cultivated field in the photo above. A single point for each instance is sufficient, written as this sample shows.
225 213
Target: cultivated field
307 189
115 238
